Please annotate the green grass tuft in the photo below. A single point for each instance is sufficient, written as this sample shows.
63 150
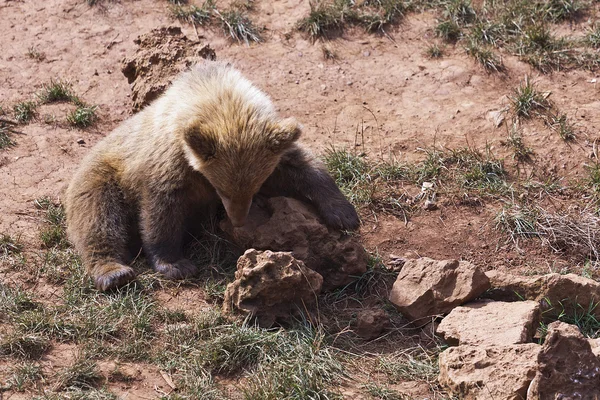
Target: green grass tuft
35 54
28 346
14 301
329 18
517 222
434 51
5 136
301 366
352 174
561 124
24 111
561 10
57 91
380 392
485 57
25 376
448 31
193 14
526 100
418 364
82 374
54 234
487 32
83 116
515 140
477 171
592 180
9 246
239 27
460 11
323 19
87 393
584 317
593 36
234 21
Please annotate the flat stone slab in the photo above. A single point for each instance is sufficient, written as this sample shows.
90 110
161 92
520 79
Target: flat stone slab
556 293
489 373
491 323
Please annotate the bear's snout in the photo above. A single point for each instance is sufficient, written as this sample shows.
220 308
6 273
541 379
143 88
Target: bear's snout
237 210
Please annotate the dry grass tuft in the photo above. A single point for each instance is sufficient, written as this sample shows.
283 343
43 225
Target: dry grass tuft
574 234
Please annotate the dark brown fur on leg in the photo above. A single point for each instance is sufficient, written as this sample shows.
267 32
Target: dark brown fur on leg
162 224
98 218
300 175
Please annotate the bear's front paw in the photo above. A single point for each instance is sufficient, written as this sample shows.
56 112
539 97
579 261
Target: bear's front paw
112 275
340 216
179 270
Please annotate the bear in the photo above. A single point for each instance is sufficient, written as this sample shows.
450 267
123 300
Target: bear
211 138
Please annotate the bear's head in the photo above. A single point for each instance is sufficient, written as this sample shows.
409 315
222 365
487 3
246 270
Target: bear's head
237 154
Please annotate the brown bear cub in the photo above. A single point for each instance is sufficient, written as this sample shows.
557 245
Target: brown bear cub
212 136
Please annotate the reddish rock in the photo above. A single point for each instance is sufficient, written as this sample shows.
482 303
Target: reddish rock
491 323
371 324
285 224
568 368
554 291
271 285
427 287
161 55
490 373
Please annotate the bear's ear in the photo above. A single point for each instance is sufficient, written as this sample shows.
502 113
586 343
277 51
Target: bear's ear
284 133
204 146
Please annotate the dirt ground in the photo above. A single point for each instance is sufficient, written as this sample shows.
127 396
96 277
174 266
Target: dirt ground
381 96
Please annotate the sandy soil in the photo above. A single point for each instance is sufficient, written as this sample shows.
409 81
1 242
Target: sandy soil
382 95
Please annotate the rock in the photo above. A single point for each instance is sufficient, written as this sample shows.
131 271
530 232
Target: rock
427 287
370 324
561 292
395 263
271 285
595 345
491 323
429 205
161 55
490 373
285 224
496 117
568 369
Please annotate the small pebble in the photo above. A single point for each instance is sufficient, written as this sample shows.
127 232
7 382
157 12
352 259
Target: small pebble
429 205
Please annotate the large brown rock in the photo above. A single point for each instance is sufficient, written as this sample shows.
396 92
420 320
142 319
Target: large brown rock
489 373
568 369
161 55
562 293
427 287
491 323
271 285
286 224
371 323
